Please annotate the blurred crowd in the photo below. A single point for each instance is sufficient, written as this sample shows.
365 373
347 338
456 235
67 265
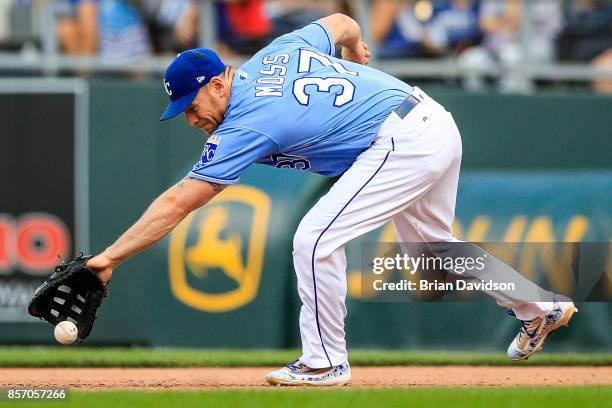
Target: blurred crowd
117 29
477 33
487 32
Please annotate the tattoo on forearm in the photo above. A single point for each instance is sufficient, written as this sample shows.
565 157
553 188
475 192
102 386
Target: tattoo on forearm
216 187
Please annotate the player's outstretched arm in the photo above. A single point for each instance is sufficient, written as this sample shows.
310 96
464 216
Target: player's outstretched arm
165 213
346 33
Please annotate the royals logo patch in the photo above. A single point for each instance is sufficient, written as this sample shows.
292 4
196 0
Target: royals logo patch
210 149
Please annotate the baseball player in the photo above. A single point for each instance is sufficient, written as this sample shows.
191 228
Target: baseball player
295 104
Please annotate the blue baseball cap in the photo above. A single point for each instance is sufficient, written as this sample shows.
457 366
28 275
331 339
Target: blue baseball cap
184 77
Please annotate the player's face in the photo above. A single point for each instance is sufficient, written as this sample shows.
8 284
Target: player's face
207 109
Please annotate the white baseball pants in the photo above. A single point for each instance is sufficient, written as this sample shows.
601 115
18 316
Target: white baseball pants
408 175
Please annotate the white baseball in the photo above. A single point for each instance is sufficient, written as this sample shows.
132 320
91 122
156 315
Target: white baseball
66 332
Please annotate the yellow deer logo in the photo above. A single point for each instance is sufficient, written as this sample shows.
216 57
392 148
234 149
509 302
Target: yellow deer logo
212 252
227 254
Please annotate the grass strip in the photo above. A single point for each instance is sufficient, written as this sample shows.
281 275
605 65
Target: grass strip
170 357
558 397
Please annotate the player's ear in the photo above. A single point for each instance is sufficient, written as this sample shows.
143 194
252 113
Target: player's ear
217 86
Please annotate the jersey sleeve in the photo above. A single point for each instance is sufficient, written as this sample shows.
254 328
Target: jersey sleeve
228 151
315 35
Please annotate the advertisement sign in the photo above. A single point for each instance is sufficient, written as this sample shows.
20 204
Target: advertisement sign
42 163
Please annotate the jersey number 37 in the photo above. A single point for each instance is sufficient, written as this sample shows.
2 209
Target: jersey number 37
344 89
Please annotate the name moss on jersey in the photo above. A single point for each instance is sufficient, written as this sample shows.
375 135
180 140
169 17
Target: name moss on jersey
273 76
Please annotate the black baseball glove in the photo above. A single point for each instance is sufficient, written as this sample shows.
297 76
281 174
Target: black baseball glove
73 292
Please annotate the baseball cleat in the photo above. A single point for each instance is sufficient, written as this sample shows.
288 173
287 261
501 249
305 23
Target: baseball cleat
532 334
298 373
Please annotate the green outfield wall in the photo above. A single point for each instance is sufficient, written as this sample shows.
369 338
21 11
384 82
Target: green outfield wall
535 168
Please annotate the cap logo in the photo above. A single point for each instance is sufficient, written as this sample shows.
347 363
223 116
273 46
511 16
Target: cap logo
167 87
200 79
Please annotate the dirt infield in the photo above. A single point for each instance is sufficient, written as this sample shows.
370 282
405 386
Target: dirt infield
194 378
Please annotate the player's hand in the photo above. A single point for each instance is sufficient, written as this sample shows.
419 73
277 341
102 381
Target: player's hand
102 266
359 53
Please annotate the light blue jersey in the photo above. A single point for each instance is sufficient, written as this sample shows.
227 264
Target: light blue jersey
294 105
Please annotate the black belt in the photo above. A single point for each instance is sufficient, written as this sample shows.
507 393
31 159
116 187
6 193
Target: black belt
406 106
